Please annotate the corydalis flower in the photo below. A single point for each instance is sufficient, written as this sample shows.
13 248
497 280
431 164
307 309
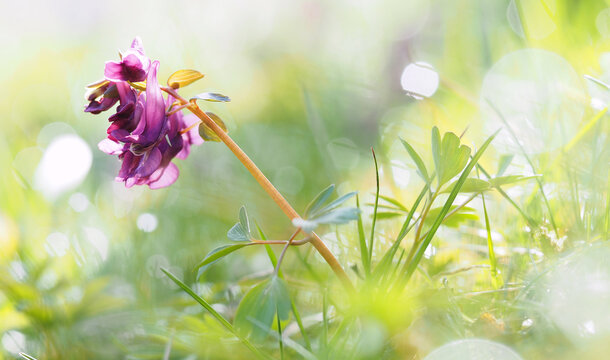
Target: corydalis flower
141 134
134 65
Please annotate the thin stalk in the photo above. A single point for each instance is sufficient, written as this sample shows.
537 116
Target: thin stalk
422 218
258 175
372 241
279 333
283 253
364 252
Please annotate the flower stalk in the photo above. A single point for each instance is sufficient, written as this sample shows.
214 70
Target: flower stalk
258 175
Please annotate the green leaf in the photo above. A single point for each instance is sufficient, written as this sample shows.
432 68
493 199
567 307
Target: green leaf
182 78
336 216
335 203
209 96
319 200
364 252
394 202
214 313
464 214
259 306
436 150
471 185
410 267
383 215
216 255
505 160
453 158
509 179
243 219
241 230
421 168
208 134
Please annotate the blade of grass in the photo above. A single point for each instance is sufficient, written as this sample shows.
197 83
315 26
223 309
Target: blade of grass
215 314
279 333
490 246
372 241
411 266
388 257
364 253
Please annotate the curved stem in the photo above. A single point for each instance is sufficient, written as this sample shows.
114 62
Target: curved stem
286 208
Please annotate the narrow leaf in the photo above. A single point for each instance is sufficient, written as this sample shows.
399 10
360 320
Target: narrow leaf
471 185
319 200
505 160
509 179
217 254
209 96
417 160
364 252
394 202
243 219
259 306
214 313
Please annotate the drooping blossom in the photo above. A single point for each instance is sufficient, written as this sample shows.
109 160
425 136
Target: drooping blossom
141 134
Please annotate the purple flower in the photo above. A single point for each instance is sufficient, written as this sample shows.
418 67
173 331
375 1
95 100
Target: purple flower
134 65
141 134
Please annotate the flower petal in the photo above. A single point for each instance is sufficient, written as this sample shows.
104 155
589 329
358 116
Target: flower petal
110 147
164 177
150 163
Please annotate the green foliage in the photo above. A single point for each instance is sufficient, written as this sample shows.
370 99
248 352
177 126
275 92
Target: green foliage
259 307
241 230
449 156
319 212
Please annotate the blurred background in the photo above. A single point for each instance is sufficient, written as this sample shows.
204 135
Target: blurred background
313 86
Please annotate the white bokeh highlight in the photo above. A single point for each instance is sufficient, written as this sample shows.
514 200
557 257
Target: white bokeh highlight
64 165
473 349
419 80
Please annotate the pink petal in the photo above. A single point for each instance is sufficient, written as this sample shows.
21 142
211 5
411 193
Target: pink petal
164 177
110 147
113 71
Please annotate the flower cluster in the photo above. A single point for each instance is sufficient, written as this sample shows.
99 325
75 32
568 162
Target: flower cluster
141 133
